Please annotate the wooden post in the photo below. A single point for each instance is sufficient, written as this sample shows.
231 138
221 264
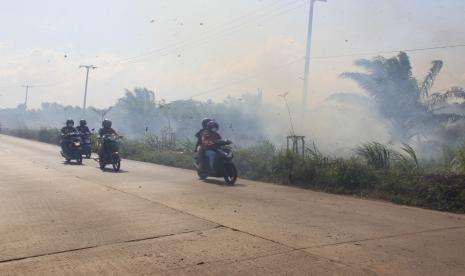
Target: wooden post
298 145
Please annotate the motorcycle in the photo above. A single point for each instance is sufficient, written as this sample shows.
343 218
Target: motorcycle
223 165
108 154
86 144
73 147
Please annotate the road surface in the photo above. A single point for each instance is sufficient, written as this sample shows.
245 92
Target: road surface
58 219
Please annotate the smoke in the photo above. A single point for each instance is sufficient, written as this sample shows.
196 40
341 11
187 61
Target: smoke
344 121
336 126
233 62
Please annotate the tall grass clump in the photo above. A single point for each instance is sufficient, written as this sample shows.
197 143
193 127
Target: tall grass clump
377 155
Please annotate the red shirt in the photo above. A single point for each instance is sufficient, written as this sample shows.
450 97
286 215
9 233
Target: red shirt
210 138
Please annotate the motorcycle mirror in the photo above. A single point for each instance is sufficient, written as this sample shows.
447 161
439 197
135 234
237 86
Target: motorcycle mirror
93 129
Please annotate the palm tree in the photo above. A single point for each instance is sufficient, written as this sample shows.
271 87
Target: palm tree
140 108
139 100
428 82
400 98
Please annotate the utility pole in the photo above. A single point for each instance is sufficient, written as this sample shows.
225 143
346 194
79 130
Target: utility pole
88 67
27 92
307 63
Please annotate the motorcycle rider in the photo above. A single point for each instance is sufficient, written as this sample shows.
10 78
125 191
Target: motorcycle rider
83 128
106 129
210 138
68 129
198 135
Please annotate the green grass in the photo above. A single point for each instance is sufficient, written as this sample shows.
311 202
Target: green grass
46 135
375 171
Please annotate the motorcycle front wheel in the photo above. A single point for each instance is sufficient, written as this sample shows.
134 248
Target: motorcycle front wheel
116 164
231 174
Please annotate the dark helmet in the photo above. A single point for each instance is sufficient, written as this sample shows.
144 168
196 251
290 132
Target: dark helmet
213 125
82 122
69 122
106 123
205 122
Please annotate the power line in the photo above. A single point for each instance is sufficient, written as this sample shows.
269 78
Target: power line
166 49
391 51
64 80
203 34
325 57
201 39
225 29
279 67
222 30
299 59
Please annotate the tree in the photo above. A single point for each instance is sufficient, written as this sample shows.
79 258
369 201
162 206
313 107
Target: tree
140 108
399 97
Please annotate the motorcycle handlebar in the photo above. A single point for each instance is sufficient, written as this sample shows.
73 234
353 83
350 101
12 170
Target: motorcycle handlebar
70 134
119 137
225 142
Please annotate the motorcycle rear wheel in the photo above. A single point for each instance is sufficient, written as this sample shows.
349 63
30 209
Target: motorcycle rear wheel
202 175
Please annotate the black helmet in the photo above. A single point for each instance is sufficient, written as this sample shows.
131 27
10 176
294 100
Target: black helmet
82 122
106 123
205 122
213 125
69 122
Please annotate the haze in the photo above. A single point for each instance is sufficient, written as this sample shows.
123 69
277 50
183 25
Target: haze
211 46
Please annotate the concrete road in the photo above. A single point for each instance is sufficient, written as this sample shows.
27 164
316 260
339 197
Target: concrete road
58 219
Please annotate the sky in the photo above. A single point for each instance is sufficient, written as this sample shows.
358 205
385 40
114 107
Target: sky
209 49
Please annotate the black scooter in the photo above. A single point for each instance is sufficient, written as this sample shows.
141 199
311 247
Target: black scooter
73 147
223 165
108 153
86 145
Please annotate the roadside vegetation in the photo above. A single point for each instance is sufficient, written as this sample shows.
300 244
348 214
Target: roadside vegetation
374 171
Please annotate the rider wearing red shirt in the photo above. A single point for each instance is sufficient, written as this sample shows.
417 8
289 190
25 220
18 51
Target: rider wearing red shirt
210 138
